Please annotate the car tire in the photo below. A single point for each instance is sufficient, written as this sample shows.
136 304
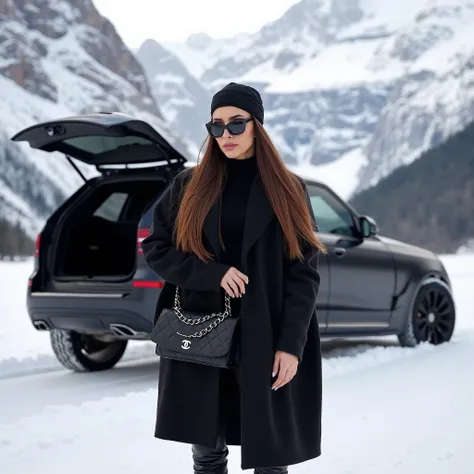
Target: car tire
84 352
432 316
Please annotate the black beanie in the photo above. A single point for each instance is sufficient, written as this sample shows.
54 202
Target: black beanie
239 95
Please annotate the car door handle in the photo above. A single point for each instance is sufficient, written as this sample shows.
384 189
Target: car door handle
339 251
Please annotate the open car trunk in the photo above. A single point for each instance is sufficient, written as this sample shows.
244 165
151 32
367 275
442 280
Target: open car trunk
98 238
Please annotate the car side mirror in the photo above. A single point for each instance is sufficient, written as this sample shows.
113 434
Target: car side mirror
368 227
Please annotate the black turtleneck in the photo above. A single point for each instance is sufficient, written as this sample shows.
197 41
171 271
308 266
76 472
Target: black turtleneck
240 175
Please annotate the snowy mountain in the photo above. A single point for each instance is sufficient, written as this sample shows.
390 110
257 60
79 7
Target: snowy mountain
371 81
434 98
59 58
200 51
183 101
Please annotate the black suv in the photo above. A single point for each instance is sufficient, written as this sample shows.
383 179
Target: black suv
93 290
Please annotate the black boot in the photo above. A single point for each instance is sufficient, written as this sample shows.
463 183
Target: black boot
211 460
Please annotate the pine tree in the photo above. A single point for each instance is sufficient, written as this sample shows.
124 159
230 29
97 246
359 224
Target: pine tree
14 241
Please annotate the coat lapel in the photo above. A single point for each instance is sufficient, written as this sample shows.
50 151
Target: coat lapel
211 229
258 215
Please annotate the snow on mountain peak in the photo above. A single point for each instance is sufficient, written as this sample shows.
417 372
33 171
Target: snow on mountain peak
199 41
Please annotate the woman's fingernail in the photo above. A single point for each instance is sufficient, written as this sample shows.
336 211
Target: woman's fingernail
273 374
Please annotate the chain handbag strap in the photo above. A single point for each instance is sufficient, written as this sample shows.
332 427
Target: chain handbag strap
219 317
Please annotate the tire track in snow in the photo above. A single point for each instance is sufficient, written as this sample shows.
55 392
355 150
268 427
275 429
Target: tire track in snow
45 363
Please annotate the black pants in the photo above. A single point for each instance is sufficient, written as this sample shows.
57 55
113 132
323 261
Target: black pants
214 460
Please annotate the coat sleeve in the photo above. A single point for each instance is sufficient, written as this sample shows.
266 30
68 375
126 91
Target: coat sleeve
301 285
182 269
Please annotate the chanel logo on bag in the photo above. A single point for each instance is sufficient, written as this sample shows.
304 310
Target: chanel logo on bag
185 344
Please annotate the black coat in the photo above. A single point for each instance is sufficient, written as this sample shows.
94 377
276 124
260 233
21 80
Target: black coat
274 428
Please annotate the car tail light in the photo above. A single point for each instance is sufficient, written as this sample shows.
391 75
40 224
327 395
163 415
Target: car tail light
142 233
147 284
37 245
36 260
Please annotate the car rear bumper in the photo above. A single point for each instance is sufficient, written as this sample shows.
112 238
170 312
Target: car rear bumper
94 312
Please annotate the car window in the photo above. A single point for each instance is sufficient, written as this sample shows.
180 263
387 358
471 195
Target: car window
331 215
97 144
111 208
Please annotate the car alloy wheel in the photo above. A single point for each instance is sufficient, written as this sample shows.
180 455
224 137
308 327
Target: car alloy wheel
434 315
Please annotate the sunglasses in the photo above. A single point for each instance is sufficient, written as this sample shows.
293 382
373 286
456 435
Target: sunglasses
236 127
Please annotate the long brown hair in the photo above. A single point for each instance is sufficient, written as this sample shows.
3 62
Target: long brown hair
284 191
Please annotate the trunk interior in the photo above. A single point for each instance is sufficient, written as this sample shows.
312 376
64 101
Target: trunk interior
99 237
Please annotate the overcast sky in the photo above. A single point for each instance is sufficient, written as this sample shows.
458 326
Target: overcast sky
175 20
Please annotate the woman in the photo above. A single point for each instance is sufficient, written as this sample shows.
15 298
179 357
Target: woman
240 222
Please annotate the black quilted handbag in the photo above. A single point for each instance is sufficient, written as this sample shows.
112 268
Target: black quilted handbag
206 339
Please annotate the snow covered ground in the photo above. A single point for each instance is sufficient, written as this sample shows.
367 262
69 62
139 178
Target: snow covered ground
387 409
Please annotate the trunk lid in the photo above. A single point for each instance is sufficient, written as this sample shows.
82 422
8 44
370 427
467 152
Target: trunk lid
102 139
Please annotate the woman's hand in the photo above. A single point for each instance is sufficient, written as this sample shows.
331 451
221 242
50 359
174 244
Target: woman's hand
234 282
285 366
